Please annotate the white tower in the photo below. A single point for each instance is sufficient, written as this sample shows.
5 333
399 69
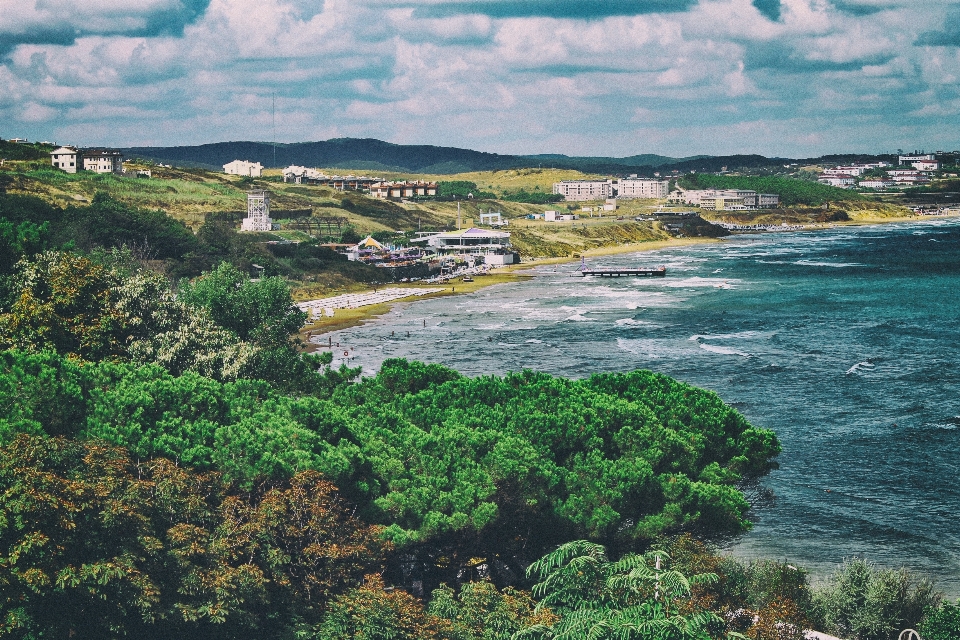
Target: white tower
258 212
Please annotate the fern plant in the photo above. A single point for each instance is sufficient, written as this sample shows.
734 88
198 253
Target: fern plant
631 598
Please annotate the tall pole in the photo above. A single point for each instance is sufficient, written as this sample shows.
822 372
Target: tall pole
274 121
458 215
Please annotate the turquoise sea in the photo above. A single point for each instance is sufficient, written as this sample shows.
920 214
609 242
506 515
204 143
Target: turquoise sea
846 342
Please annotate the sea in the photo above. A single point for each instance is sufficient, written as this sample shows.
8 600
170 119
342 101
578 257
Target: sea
844 341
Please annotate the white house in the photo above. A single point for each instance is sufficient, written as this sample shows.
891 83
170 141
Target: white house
642 188
243 168
258 212
66 158
102 160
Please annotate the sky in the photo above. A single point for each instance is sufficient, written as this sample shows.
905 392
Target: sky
792 78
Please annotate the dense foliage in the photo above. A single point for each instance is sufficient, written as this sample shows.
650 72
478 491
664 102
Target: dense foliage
533 197
791 191
864 602
494 468
462 189
94 544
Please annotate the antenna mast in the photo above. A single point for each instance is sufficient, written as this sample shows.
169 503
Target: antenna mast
274 121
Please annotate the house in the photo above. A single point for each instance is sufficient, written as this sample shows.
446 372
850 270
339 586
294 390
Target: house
102 160
243 168
634 187
258 212
66 158
298 175
574 190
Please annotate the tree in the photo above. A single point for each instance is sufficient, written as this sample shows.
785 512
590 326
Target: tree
941 623
635 597
482 612
93 544
377 612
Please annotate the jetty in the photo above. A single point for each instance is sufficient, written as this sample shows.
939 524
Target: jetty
637 272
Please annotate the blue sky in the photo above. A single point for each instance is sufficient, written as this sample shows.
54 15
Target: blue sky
615 77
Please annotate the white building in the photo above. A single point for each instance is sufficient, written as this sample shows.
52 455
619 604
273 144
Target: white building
877 183
843 181
493 245
584 189
243 168
642 188
66 158
926 165
258 212
852 170
928 157
297 174
102 160
726 199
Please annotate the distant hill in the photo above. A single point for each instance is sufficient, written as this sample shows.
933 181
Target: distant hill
367 154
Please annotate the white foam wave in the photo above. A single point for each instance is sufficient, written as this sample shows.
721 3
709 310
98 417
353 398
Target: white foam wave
741 335
578 318
838 265
699 282
534 341
726 351
866 364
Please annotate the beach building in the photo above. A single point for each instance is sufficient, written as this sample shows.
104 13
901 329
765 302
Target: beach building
243 168
258 212
575 190
642 188
726 199
66 158
493 245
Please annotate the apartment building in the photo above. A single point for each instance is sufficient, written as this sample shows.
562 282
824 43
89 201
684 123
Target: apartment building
642 188
409 189
584 189
102 161
717 200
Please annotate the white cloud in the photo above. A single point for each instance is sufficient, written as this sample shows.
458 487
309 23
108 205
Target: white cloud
719 78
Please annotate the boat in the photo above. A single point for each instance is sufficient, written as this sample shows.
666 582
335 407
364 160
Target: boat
467 278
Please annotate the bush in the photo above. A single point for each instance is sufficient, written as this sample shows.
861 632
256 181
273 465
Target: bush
941 623
863 602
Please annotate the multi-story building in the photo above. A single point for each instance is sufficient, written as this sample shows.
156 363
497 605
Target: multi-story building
642 188
929 157
410 189
244 168
584 189
102 160
926 165
716 199
66 158
853 170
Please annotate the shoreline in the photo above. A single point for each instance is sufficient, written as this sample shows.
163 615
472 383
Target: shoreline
347 318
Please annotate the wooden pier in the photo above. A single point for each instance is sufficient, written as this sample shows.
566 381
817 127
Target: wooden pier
643 272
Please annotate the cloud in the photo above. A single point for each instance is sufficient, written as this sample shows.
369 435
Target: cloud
565 9
61 22
677 77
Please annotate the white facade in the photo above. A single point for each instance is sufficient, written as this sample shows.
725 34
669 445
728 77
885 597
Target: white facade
926 165
66 158
877 183
243 168
584 189
258 212
102 160
727 199
642 188
297 174
929 157
842 181
853 170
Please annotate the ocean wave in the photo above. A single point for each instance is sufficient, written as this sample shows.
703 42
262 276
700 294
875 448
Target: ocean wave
700 282
726 351
740 335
